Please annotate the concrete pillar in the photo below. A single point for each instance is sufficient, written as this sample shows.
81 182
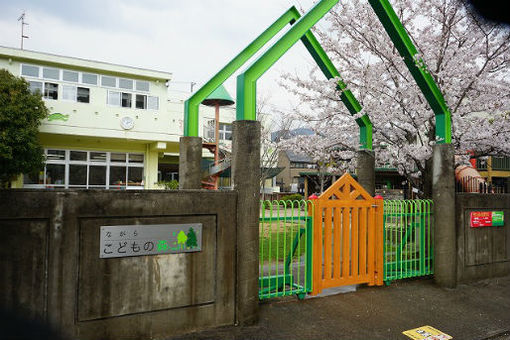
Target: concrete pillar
246 181
190 156
366 170
443 194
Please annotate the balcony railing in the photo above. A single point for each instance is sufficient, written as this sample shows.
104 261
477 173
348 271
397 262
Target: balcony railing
498 163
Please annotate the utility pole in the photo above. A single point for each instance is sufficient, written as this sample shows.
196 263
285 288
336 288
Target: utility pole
192 84
23 23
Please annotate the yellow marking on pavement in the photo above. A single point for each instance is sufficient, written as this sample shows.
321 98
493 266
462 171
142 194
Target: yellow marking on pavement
426 333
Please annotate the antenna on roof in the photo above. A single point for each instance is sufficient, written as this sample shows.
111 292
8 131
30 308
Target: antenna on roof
23 23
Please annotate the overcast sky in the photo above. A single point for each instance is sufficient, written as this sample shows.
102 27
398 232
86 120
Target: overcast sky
192 39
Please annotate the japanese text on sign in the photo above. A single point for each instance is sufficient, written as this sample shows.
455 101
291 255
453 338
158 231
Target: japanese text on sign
487 219
154 239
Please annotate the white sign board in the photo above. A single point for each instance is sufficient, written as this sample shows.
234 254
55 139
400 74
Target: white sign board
152 239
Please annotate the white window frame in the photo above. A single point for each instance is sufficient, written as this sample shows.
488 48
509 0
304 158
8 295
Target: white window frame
145 101
83 87
59 87
108 98
149 98
37 81
75 90
61 82
107 164
116 86
39 73
88 84
70 81
144 81
222 132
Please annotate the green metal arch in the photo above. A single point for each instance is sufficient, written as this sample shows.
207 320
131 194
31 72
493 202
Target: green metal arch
318 54
246 81
418 69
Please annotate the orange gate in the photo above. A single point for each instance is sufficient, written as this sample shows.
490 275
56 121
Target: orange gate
348 237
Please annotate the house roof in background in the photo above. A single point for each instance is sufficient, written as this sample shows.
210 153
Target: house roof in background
287 134
297 157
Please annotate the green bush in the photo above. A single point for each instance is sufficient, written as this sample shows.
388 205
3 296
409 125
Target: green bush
170 185
293 197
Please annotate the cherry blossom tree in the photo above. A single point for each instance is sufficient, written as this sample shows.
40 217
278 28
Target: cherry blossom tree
468 58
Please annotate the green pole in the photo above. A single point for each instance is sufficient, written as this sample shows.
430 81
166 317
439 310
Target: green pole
417 67
191 105
328 69
246 81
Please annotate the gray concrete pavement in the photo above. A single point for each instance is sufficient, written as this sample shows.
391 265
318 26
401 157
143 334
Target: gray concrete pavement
476 311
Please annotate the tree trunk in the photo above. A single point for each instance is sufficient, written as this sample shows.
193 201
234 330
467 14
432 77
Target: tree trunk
427 179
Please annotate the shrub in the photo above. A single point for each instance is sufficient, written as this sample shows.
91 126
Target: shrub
293 197
170 185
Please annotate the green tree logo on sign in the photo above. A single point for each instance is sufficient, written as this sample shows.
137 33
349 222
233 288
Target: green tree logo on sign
181 239
192 239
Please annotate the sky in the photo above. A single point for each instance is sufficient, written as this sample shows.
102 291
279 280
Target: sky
191 39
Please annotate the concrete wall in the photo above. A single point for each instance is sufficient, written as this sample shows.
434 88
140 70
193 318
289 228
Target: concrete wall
482 252
50 265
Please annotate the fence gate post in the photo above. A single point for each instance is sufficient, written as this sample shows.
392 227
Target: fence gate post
246 181
379 242
443 193
190 155
365 170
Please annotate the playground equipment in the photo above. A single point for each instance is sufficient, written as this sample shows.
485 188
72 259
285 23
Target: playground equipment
469 179
217 98
246 81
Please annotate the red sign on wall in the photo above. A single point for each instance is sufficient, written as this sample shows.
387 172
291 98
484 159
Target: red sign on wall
487 219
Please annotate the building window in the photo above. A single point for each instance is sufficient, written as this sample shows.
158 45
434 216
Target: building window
88 78
125 84
152 103
30 71
119 99
36 87
88 169
77 94
113 98
302 165
70 76
51 73
225 131
108 81
69 92
83 95
141 101
142 85
51 91
126 100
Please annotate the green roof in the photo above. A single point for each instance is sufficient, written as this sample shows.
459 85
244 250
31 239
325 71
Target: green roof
219 96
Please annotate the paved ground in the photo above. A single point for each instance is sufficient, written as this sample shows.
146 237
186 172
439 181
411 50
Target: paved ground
476 311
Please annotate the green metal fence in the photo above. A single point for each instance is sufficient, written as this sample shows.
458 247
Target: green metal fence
408 239
285 266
